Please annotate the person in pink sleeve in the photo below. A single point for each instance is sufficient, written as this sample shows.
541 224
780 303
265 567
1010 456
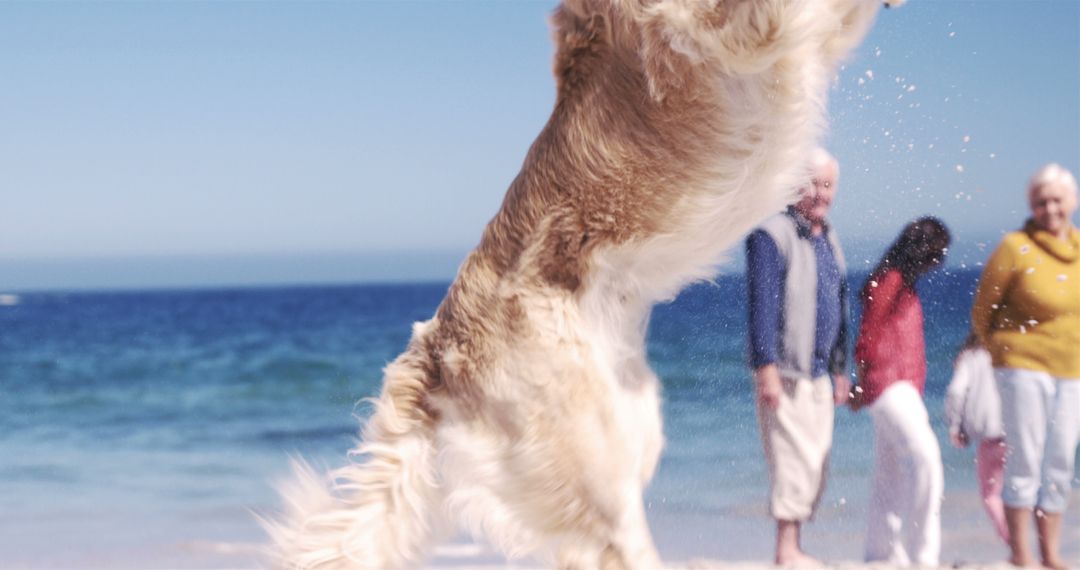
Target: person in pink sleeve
904 526
973 411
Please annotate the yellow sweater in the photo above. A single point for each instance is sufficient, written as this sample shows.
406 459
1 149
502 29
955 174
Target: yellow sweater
1027 307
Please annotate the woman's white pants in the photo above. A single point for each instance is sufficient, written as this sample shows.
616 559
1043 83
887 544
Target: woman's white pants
905 503
1041 416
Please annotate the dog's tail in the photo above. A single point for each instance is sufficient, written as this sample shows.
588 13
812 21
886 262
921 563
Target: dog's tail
381 511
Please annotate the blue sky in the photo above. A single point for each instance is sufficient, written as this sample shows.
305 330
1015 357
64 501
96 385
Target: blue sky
198 143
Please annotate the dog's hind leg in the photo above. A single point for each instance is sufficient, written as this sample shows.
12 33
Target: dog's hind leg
640 395
622 543
631 545
617 481
626 545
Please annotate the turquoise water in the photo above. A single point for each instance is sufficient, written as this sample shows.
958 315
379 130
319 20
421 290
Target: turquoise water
142 428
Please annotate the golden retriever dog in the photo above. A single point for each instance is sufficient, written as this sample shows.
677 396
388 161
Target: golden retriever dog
525 411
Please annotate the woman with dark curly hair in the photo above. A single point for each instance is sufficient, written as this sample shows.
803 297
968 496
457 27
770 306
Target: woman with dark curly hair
904 513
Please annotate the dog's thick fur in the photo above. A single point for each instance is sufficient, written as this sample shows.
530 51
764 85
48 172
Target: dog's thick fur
525 409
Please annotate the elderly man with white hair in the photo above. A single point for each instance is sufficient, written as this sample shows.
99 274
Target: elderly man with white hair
1027 313
798 330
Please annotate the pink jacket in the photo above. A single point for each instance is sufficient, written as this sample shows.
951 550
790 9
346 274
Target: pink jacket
890 347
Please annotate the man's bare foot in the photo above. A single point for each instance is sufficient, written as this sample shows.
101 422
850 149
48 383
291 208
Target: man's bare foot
798 560
1055 565
1022 562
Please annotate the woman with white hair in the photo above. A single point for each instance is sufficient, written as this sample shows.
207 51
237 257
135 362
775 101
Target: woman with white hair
1027 313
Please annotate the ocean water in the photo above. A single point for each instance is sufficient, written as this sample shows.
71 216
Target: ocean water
144 428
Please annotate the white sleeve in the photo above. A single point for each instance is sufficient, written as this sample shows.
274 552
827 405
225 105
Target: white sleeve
958 391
